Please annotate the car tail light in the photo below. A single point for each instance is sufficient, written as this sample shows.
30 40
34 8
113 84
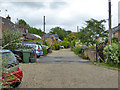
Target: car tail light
18 68
38 50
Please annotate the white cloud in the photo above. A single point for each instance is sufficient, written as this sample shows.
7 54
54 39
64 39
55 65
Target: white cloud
66 13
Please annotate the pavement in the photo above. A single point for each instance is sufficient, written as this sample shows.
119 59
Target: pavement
64 69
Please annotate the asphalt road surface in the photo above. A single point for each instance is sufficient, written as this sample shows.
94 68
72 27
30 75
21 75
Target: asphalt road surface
63 69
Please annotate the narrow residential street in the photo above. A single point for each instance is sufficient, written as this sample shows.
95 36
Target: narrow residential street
63 69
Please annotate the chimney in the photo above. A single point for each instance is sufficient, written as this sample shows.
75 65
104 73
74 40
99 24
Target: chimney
8 18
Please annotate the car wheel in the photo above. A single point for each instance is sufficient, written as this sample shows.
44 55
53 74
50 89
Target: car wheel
16 84
38 56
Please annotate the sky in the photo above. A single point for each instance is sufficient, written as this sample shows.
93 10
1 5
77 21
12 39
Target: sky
67 14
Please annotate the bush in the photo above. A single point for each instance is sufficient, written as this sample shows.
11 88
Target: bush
72 45
44 51
53 47
112 54
38 43
115 40
84 57
57 47
11 39
78 50
65 43
45 43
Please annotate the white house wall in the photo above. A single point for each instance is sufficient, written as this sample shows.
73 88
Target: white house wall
0 28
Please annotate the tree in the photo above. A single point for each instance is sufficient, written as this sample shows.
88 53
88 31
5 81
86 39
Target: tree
71 36
60 32
93 30
68 32
65 43
31 29
11 39
35 31
21 21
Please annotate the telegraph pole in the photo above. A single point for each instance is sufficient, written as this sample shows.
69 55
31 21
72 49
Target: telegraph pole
110 30
44 24
77 28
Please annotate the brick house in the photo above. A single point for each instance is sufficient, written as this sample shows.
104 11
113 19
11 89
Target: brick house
5 23
116 32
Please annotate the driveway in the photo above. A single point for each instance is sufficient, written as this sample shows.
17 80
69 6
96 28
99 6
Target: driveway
63 69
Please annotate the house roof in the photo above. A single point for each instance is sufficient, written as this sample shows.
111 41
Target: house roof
32 42
56 36
7 24
115 29
36 36
31 36
48 36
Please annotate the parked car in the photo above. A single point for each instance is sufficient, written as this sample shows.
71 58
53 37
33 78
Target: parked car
61 46
37 48
11 73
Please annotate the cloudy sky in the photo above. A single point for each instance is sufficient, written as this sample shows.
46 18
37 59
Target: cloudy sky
67 14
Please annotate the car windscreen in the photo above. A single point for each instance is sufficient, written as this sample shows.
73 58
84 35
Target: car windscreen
8 58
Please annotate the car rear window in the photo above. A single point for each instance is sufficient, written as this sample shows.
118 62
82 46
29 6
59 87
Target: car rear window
32 46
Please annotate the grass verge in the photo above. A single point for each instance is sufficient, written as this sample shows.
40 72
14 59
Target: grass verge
106 65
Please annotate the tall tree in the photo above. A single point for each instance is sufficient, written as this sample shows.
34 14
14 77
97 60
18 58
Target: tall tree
21 21
93 30
11 39
35 31
30 29
71 36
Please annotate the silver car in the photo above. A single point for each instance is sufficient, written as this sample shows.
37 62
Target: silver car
37 48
